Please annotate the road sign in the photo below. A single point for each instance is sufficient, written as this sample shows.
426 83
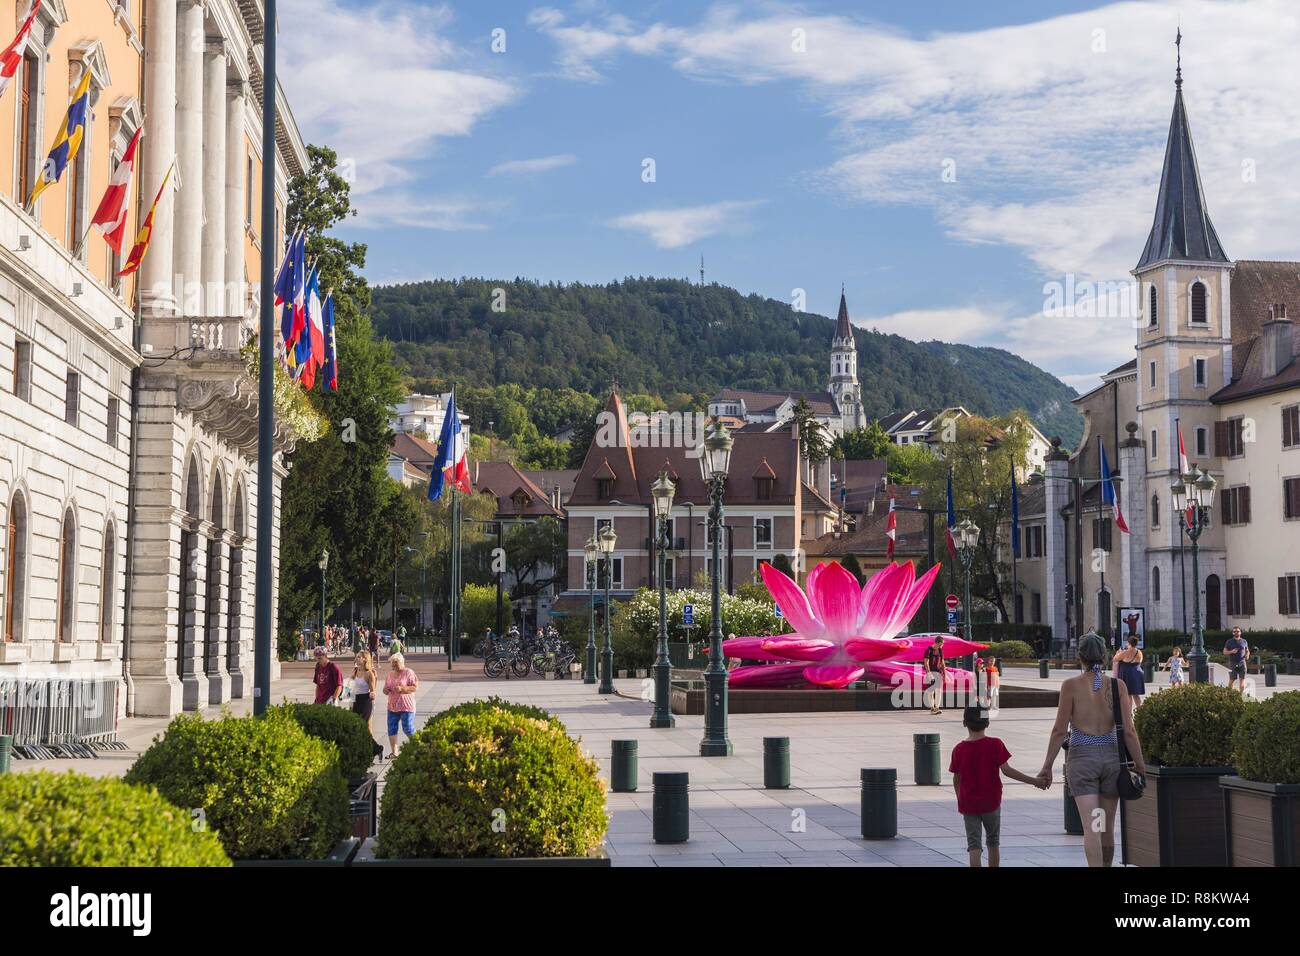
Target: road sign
779 614
688 615
952 602
952 617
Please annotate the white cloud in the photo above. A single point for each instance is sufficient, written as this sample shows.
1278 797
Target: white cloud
420 211
381 84
527 167
673 228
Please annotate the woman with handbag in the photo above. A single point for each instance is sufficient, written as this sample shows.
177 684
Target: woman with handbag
1103 760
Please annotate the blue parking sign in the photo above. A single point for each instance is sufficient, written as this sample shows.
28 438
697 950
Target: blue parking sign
778 611
688 615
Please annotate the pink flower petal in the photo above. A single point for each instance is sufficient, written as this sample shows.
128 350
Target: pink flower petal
836 597
833 675
882 603
915 597
792 601
767 675
749 649
873 648
952 647
799 648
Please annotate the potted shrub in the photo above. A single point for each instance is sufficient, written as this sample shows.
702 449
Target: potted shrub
268 790
1261 805
488 786
349 733
1186 735
482 704
69 819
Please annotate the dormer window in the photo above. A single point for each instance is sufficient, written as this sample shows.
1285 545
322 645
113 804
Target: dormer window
604 488
763 489
1199 314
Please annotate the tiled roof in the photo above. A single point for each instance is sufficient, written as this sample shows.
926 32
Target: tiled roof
869 538
1253 381
758 402
1256 287
505 482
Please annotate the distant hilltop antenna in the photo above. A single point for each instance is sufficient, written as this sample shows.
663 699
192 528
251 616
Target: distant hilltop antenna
701 270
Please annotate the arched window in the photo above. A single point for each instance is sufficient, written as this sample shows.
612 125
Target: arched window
16 570
107 584
1199 316
193 504
67 612
1155 511
1155 584
212 596
1153 315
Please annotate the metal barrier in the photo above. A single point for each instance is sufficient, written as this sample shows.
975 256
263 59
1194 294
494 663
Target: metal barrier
60 717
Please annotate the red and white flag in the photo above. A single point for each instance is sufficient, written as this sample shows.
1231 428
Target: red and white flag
110 217
891 529
1182 466
12 57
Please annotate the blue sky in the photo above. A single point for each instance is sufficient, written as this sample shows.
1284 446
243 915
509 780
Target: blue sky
949 162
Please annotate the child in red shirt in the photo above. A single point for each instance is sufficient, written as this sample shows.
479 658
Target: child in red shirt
975 765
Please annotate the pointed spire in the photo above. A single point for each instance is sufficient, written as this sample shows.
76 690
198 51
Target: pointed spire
1178 73
843 327
1182 227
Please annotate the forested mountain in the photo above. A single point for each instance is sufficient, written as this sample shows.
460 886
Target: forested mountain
681 342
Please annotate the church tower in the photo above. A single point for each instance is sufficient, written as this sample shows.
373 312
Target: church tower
844 386
1184 355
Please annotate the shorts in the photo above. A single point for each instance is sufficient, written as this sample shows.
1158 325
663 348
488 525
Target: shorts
1092 769
992 824
1237 671
401 718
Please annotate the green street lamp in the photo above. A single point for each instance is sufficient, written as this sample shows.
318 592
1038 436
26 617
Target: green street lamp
605 542
714 464
661 494
592 554
968 539
323 564
1193 500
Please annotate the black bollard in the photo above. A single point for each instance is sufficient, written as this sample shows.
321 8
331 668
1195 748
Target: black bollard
879 803
1148 669
1073 822
670 807
622 766
925 759
6 751
1044 665
776 763
1270 675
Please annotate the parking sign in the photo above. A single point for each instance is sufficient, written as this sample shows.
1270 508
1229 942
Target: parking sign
688 615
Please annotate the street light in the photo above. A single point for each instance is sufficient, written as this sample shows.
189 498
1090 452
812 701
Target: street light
661 494
968 538
714 464
606 541
592 553
323 564
1193 500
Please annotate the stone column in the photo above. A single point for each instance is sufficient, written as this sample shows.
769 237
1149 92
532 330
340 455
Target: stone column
187 260
215 624
236 200
1056 493
237 632
190 634
214 176
156 295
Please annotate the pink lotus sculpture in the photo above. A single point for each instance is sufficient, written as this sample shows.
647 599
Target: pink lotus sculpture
843 632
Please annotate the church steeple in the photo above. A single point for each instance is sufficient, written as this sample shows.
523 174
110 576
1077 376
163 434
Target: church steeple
1182 228
843 327
844 385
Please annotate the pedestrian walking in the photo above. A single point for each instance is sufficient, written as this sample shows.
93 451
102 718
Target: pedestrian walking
365 681
935 674
977 766
1128 668
327 678
399 687
1238 652
1175 666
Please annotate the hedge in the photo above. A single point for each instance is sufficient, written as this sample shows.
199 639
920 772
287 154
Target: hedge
491 784
341 727
1266 741
69 819
268 789
481 704
1189 726
1011 651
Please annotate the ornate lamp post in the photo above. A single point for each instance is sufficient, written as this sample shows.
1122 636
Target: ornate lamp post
661 492
592 554
1193 499
607 540
968 538
714 463
323 564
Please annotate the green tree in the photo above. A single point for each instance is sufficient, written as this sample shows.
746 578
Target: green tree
814 443
535 556
851 565
870 442
908 464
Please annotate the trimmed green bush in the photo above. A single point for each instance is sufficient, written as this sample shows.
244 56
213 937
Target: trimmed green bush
491 784
344 729
1011 651
1189 726
481 704
1266 742
268 789
69 819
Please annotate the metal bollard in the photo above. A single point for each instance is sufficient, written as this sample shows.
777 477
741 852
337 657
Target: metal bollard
879 803
622 766
1044 666
776 763
1073 822
1270 675
670 807
925 759
6 751
1148 670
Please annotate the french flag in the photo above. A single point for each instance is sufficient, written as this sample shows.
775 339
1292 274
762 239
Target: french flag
451 464
1108 495
110 217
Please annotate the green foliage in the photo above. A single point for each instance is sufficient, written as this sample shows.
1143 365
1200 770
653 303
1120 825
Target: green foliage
637 331
781 562
532 548
1266 742
482 704
341 727
268 789
1189 726
814 440
870 442
854 568
68 819
461 774
1010 651
908 464
635 624
478 611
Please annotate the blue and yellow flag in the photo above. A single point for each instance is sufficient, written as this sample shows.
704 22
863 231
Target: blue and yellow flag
68 142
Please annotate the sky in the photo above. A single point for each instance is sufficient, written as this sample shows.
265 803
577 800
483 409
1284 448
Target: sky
983 173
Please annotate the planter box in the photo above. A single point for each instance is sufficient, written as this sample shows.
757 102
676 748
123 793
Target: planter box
1178 821
363 806
1262 822
341 856
365 858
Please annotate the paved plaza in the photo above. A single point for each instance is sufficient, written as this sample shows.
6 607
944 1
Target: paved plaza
733 820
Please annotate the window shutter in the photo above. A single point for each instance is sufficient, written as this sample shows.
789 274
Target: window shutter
1221 439
1281 596
1248 596
1244 504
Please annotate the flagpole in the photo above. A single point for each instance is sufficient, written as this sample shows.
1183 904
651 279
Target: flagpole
454 597
266 516
1101 501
